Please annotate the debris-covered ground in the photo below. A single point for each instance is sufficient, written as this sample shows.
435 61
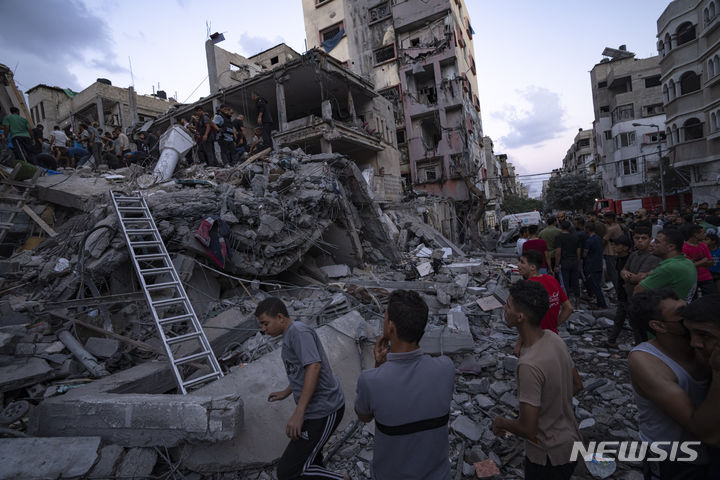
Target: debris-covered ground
302 227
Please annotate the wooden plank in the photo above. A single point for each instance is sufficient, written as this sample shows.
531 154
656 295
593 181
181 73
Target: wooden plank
39 221
253 158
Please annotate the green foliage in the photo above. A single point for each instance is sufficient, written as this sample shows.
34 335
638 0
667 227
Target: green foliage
515 204
571 192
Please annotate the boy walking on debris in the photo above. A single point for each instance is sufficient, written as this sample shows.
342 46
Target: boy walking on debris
547 381
409 394
317 393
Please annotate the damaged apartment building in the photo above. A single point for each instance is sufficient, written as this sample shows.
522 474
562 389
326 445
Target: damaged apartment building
418 55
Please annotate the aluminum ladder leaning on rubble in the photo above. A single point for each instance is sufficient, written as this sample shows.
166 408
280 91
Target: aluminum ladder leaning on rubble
180 330
10 203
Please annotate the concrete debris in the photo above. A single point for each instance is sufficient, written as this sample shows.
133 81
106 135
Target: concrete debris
79 345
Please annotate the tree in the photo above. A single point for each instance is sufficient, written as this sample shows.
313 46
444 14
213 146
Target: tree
571 192
516 204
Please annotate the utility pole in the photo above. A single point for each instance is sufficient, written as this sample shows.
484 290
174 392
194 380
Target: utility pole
662 173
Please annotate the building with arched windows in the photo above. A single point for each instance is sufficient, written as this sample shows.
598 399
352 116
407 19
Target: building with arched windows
689 47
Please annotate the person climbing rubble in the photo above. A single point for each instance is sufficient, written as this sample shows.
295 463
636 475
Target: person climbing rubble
317 393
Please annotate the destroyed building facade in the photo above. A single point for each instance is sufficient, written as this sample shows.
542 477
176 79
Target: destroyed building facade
100 102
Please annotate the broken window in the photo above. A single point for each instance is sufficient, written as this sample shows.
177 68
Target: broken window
608 134
415 42
653 81
604 110
654 109
400 134
379 12
330 32
274 61
621 85
430 133
428 95
583 142
321 2
602 84
624 139
693 129
392 94
430 174
384 54
627 167
623 112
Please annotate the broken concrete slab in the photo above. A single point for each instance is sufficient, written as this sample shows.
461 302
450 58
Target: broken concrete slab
336 271
137 463
105 467
102 347
43 458
262 437
73 191
467 428
23 373
441 340
133 420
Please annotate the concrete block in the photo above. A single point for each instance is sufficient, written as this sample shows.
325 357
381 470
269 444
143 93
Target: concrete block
23 373
134 420
43 458
138 463
262 437
102 347
467 428
73 191
336 271
109 457
437 341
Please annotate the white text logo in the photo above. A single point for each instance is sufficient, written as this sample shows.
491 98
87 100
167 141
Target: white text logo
636 451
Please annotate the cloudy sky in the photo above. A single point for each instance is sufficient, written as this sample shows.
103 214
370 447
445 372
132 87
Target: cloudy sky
534 57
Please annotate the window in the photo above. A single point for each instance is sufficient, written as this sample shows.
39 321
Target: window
653 81
714 121
330 32
653 137
693 129
624 139
274 61
319 3
608 134
385 54
415 42
585 142
668 43
672 92
602 84
604 110
685 33
400 134
654 109
379 12
623 112
689 82
627 167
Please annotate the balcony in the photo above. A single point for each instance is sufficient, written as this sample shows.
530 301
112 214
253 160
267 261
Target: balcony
685 53
628 180
688 103
407 15
689 153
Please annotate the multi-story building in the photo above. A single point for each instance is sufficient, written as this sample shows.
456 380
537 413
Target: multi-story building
10 95
419 55
101 102
628 106
689 47
580 157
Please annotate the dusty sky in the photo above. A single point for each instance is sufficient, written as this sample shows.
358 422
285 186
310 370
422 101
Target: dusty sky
533 57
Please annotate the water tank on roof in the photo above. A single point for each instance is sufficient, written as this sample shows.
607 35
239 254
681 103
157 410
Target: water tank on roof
161 94
104 80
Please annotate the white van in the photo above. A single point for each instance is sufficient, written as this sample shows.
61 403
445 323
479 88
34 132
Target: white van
512 221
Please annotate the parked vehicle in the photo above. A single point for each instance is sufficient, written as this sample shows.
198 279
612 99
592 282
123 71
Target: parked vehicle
516 220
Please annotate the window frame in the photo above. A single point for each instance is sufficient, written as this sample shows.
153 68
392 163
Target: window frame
340 25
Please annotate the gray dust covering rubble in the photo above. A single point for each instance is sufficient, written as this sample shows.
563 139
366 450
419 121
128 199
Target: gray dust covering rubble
83 373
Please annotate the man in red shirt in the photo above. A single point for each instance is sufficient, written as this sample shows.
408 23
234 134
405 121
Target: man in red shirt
699 253
539 245
560 307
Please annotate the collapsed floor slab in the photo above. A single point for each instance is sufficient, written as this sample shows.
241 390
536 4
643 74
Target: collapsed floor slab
41 458
261 440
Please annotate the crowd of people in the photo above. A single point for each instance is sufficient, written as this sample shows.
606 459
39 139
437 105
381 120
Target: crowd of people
220 140
660 271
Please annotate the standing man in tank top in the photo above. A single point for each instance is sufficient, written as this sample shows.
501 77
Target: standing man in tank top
672 385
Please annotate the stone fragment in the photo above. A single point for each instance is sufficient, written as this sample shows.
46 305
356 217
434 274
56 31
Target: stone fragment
498 388
109 457
102 347
269 226
336 271
510 400
510 363
50 457
484 401
486 469
478 385
23 373
476 455
137 463
467 428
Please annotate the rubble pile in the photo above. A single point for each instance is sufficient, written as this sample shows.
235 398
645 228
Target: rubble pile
77 336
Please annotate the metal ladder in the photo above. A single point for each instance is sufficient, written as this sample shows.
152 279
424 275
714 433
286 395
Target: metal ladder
11 204
180 330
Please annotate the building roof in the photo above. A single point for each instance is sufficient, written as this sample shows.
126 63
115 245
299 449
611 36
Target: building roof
271 48
42 85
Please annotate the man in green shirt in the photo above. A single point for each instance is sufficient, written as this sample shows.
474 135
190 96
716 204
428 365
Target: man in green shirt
549 234
20 133
675 271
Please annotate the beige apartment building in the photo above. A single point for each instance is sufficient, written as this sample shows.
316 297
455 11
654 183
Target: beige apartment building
580 158
689 48
629 123
419 55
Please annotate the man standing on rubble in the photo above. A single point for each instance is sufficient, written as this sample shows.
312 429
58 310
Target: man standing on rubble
409 394
675 400
560 307
20 133
319 398
674 271
264 119
547 381
206 137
